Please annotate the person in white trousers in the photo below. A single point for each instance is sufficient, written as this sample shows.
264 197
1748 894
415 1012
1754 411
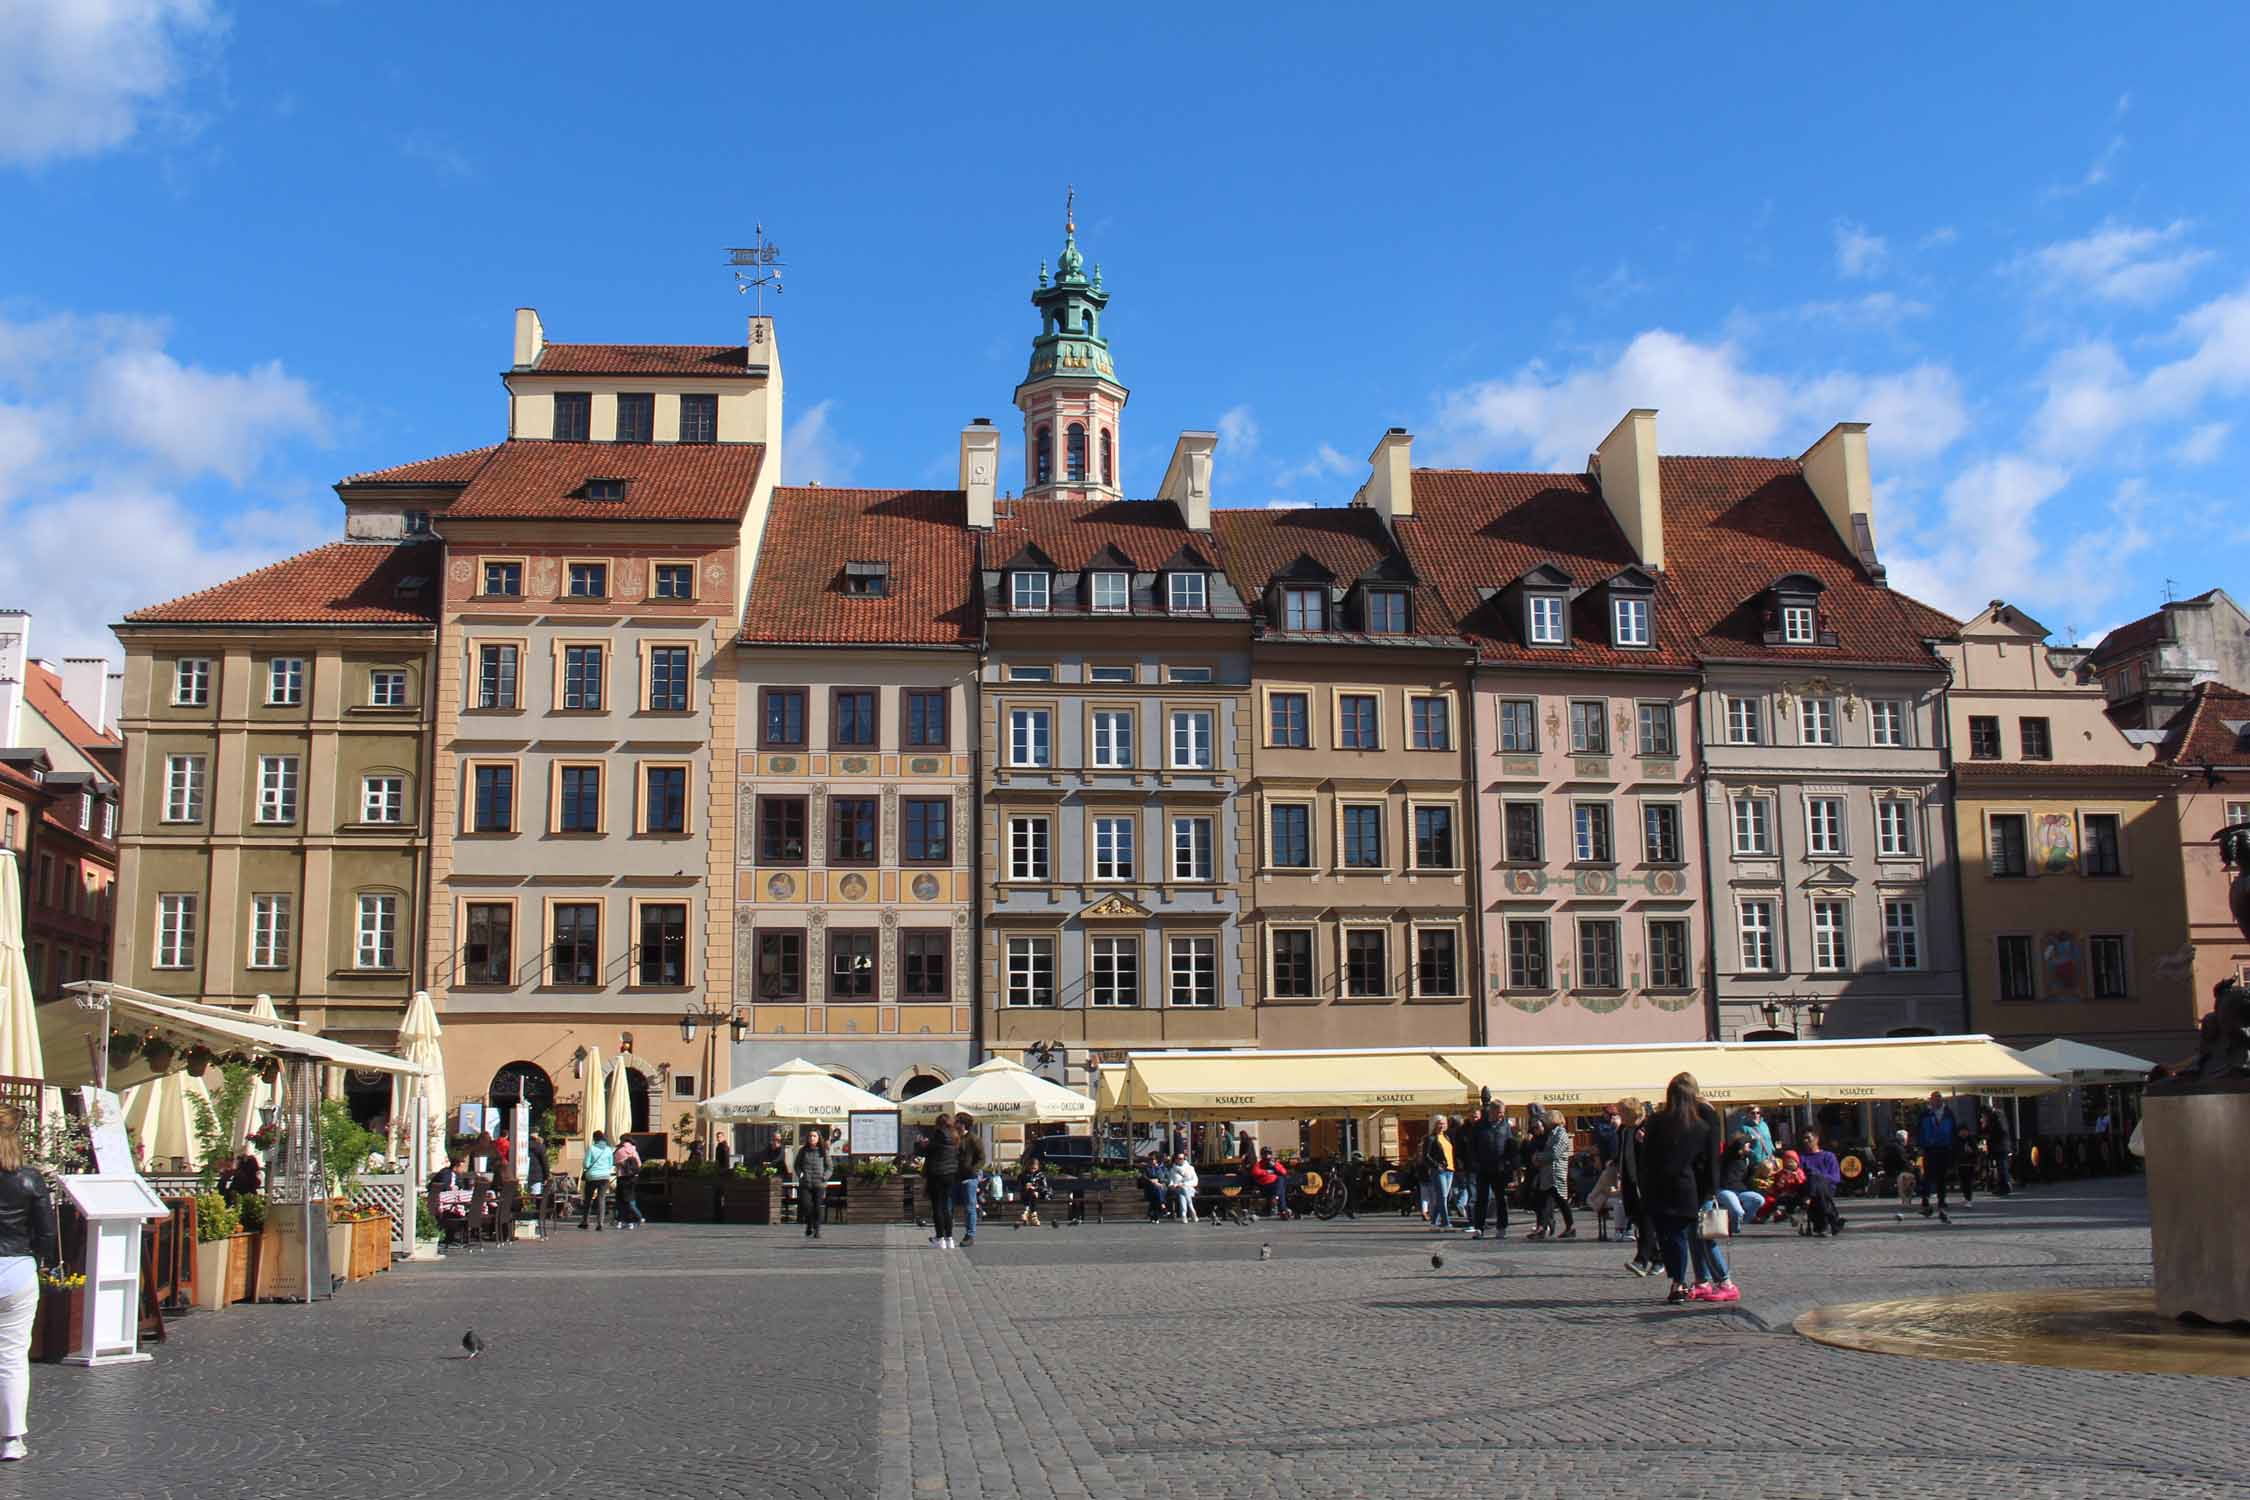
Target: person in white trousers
27 1238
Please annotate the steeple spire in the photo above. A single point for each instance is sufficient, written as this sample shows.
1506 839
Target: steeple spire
1070 395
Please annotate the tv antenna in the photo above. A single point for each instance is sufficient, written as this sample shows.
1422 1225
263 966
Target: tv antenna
757 267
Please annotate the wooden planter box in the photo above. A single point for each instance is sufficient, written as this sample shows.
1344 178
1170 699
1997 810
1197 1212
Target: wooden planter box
695 1200
655 1197
242 1266
747 1200
60 1324
370 1247
211 1274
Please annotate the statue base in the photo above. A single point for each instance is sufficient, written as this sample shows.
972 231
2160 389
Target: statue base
2197 1140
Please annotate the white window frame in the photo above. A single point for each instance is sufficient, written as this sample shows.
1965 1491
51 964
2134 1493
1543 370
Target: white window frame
1115 853
1746 719
191 682
376 944
1902 934
1886 724
1109 592
1799 625
1112 750
1816 721
1194 845
1188 593
1194 750
175 931
1752 821
184 788
1026 958
1544 613
1031 737
1824 827
1191 960
277 789
270 930
1031 847
383 678
382 798
1894 828
1104 950
1831 935
1759 944
1628 621
285 681
1030 592
1304 609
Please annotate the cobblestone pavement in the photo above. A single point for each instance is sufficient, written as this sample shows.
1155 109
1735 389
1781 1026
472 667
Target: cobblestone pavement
1145 1361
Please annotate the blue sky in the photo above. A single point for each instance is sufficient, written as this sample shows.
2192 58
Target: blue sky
250 250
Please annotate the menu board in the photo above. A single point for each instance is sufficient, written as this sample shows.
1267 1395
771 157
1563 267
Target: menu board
873 1132
105 1128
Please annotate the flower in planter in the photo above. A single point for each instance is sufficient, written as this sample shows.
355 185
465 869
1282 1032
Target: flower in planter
63 1281
159 1052
270 1070
123 1048
197 1059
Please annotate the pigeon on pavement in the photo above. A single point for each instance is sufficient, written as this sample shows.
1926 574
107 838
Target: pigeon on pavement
1265 1252
1437 1262
472 1343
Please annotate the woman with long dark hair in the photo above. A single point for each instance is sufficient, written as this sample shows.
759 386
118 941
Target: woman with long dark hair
1679 1173
941 1174
27 1239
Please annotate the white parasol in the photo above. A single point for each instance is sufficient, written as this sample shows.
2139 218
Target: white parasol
20 1053
419 1042
796 1093
1000 1091
160 1117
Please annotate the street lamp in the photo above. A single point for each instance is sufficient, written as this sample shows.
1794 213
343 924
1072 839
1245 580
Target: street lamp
705 1020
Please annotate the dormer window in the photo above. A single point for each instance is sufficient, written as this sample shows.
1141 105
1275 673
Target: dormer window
1111 593
417 523
1628 622
1797 625
867 580
1190 593
1386 612
1789 613
1028 592
1545 615
605 489
1304 609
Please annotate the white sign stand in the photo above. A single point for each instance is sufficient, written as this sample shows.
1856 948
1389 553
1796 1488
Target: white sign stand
114 1207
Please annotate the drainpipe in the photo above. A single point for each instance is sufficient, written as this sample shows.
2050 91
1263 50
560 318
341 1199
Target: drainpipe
1710 857
1950 833
977 1032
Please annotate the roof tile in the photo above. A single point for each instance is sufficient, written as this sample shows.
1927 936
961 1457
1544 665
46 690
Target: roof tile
342 583
532 479
446 468
1349 542
2204 734
723 361
797 594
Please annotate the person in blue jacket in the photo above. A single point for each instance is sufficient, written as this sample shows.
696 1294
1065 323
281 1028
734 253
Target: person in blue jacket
1938 1134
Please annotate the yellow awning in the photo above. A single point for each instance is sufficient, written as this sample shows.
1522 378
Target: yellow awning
1242 1085
1745 1072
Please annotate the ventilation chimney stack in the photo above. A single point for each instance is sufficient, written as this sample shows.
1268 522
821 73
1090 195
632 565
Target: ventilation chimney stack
1187 478
1836 469
1389 490
980 470
1624 469
85 687
531 338
15 664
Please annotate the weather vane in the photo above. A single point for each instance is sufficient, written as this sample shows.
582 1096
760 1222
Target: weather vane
757 267
1070 208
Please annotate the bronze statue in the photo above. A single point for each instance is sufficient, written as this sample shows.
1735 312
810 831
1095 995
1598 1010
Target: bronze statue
2222 1043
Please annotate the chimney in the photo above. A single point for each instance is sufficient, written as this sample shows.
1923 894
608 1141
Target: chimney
1389 490
531 338
980 470
15 661
85 687
1836 469
1624 469
1187 478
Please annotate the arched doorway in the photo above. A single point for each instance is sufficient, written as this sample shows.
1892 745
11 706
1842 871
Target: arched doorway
1767 1035
920 1083
368 1094
520 1083
636 1089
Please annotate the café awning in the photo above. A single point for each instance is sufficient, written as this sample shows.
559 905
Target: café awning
2083 1063
66 1027
1245 1085
1746 1072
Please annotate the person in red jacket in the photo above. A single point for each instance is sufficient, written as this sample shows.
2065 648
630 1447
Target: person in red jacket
1271 1175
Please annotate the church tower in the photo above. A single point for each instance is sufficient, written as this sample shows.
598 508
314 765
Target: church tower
1070 397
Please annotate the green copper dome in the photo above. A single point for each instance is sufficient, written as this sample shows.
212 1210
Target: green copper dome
1070 341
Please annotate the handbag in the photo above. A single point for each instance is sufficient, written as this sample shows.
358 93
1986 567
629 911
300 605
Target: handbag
1712 1222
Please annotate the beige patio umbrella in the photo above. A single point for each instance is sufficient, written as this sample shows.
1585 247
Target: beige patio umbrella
418 1042
265 1098
796 1093
160 1117
619 1117
1000 1091
593 1111
20 1053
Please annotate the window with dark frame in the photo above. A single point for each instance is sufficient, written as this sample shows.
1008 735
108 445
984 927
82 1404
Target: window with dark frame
1293 964
2104 853
1984 737
1519 726
1520 832
2009 849
1386 612
1656 737
489 954
1597 954
575 956
1431 721
1589 726
1660 832
636 417
2038 739
1363 837
2111 976
781 718
1667 954
699 419
574 416
928 830
781 830
781 964
1355 721
1288 719
925 967
1433 838
1291 843
668 679
672 581
1367 968
1304 609
852 823
663 944
664 799
503 580
1437 968
2017 981
494 810
588 581
925 719
1527 955
851 965
851 718
578 805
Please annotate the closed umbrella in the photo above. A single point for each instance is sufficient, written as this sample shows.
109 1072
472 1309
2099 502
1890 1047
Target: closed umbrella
160 1117
1000 1091
20 1053
796 1093
264 1102
620 1114
418 1042
593 1112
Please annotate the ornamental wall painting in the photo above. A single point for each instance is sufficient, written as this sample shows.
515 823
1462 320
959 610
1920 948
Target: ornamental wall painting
2054 843
2058 953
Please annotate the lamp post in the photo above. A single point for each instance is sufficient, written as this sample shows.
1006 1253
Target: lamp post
707 1019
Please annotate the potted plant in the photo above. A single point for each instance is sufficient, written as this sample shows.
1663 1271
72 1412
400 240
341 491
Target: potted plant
159 1052
60 1324
217 1227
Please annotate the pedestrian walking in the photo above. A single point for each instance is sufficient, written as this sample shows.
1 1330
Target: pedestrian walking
972 1177
629 1215
811 1167
1488 1158
1938 1132
27 1241
601 1172
1632 1139
1679 1177
1999 1146
1437 1173
1551 1170
941 1174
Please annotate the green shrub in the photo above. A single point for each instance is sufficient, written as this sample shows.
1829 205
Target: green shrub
215 1219
251 1208
425 1222
345 1145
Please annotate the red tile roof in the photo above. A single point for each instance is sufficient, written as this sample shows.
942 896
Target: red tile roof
2202 734
42 690
1349 542
1473 533
446 468
2138 635
1969 771
531 479
1150 532
797 594
1933 624
342 583
722 361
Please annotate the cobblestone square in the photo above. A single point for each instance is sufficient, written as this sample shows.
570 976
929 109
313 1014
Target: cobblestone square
1144 1361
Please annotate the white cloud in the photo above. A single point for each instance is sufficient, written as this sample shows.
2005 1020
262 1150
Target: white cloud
1982 544
2117 263
1859 253
2092 394
1711 402
2205 443
1943 235
104 438
812 452
1238 432
79 77
1875 310
1327 462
